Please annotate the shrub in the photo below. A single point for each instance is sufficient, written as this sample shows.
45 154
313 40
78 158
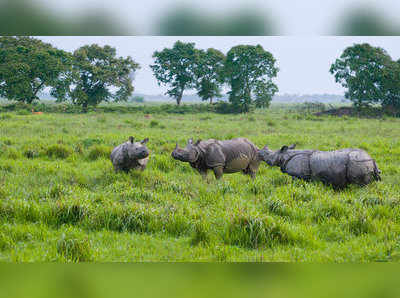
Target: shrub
58 151
99 151
223 107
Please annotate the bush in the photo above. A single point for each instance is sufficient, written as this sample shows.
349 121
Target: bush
223 107
99 151
58 151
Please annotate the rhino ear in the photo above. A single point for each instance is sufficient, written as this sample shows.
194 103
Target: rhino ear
144 141
292 146
284 149
190 141
131 139
266 148
198 142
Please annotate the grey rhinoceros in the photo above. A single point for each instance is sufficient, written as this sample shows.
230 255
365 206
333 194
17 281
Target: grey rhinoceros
338 168
130 155
227 156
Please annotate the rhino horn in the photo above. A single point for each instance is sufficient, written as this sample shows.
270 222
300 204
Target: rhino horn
144 141
292 146
176 147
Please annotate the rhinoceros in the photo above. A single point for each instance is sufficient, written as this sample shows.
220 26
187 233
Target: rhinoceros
337 168
227 156
130 155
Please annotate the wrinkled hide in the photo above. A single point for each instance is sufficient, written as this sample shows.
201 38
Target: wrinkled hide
130 155
338 168
229 156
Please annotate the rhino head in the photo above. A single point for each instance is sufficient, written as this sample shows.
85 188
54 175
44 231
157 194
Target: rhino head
137 150
188 154
274 158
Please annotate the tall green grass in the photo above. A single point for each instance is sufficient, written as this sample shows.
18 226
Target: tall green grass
60 199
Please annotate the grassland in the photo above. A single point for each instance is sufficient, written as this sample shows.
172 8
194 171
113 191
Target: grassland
60 199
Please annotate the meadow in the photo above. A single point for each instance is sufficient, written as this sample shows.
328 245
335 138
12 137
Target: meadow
61 201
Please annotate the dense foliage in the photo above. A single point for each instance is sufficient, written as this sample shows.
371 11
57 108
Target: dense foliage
370 76
97 75
249 73
209 74
175 68
28 65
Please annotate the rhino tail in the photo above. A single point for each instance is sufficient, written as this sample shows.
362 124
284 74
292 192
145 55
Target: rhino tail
377 172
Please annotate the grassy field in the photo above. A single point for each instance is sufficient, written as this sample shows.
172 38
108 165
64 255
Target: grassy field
60 199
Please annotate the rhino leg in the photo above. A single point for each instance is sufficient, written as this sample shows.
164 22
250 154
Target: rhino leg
253 168
218 172
203 174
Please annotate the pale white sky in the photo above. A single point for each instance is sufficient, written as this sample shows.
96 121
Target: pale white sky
304 61
291 17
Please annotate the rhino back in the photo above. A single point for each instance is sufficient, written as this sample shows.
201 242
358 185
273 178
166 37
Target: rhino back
238 154
330 166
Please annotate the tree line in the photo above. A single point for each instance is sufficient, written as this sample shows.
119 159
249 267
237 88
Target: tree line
93 74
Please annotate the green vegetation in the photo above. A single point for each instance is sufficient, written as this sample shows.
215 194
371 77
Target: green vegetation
60 199
249 73
89 76
370 75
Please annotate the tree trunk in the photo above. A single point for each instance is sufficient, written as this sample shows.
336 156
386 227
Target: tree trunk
179 98
211 100
85 107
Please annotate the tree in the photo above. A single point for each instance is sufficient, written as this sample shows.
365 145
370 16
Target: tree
176 68
209 74
28 65
369 74
249 71
97 75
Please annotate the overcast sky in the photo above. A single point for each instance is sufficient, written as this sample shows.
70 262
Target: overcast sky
303 61
292 17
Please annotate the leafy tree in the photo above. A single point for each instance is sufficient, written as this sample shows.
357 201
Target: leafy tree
28 65
369 74
209 74
249 71
176 68
97 75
